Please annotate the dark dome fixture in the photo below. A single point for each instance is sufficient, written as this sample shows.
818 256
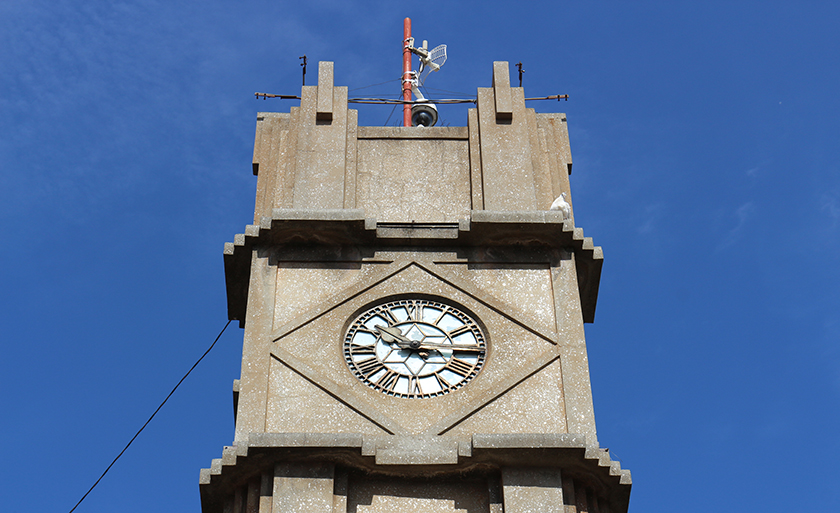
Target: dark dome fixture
423 114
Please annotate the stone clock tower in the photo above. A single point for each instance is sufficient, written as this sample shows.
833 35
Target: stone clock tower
413 316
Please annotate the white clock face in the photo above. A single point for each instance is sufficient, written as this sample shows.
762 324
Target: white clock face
414 348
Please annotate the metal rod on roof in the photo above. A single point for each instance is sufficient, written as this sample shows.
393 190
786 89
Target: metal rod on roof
281 96
406 75
304 67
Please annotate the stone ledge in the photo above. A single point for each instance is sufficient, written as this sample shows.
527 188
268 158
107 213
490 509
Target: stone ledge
304 440
387 132
349 229
335 214
414 450
530 216
418 456
417 230
527 441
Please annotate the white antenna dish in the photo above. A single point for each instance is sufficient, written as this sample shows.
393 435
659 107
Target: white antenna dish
429 60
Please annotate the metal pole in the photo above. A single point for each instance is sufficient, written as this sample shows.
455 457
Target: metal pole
304 68
406 78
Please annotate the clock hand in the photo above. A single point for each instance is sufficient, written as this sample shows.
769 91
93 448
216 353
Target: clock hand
391 335
432 345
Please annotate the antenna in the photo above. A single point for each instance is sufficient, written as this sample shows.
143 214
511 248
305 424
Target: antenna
408 41
429 60
420 112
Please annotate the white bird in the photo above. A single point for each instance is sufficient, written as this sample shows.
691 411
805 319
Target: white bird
561 205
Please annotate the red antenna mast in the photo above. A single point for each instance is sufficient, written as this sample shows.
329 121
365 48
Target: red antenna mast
406 76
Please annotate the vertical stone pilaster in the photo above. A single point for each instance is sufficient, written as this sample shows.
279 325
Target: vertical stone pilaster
580 416
542 177
266 489
238 500
303 488
476 176
252 502
262 144
532 490
324 110
554 148
253 383
321 147
340 491
270 155
501 91
494 495
581 499
569 496
351 159
506 162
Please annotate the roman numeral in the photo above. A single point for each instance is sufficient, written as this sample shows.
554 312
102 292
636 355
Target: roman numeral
414 385
388 380
440 317
369 366
441 382
415 311
459 367
457 331
389 317
365 329
356 349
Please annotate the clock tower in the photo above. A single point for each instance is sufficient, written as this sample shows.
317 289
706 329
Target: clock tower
413 319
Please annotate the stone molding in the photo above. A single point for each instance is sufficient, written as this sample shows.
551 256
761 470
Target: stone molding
350 228
415 455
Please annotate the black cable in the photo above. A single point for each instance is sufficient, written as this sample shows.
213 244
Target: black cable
392 111
445 91
374 85
150 418
389 115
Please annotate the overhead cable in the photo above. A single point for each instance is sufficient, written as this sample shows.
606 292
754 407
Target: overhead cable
150 418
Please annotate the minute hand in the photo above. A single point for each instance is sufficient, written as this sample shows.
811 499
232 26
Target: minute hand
433 345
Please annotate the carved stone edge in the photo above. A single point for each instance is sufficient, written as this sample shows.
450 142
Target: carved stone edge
350 227
431 454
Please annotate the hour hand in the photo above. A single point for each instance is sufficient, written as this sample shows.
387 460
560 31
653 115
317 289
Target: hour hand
390 335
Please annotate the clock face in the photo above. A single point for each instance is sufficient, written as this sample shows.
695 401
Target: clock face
414 348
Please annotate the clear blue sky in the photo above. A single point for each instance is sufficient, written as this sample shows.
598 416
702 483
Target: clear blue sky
705 138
